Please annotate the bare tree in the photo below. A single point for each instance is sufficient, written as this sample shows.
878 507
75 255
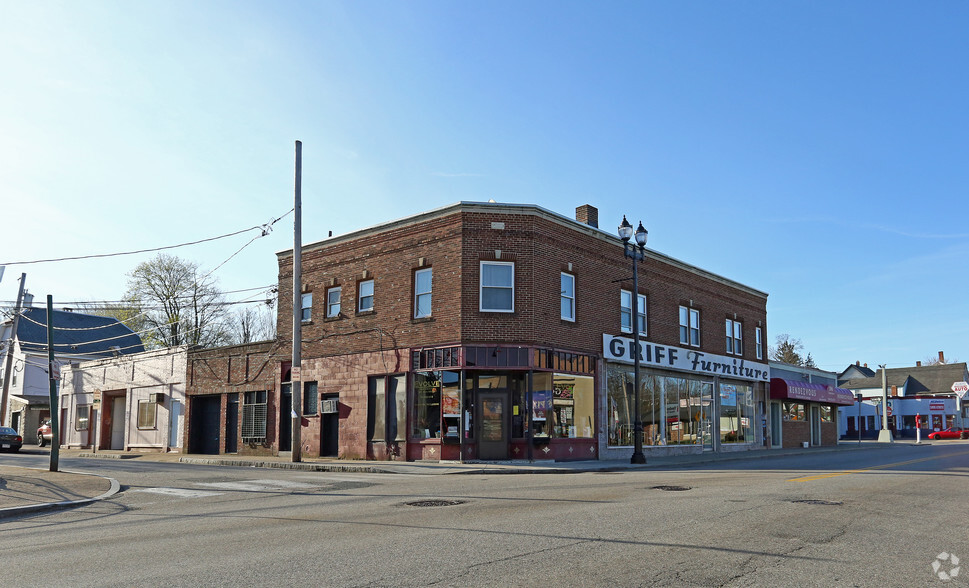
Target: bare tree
179 306
252 324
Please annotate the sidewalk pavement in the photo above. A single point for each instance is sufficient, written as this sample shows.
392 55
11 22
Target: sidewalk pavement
25 490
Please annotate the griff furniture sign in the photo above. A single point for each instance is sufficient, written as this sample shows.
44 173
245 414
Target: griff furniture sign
621 349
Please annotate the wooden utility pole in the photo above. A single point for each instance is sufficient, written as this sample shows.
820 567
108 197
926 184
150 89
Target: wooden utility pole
52 370
8 359
296 377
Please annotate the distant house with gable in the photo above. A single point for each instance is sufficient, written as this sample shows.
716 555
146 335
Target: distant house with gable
77 337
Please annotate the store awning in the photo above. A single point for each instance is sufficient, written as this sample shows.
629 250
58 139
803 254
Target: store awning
806 392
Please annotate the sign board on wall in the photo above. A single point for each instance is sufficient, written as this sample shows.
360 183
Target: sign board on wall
960 388
621 349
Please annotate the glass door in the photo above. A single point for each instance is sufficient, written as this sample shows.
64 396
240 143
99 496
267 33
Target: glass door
493 425
707 408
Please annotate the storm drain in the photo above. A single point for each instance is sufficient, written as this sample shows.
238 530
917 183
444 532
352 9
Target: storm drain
672 488
435 502
819 502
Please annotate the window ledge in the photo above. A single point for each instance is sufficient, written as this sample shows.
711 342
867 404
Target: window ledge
366 312
331 319
423 319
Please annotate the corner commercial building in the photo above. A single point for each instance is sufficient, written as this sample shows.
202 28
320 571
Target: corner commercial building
486 331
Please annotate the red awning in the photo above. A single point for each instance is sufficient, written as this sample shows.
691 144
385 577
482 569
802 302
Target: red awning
806 392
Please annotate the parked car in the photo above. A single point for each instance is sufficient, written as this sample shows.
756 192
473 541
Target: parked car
44 433
950 433
10 440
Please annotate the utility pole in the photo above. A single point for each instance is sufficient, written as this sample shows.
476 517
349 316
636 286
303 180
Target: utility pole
55 427
885 436
296 377
8 359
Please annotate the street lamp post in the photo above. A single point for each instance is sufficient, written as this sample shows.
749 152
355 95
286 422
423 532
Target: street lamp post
637 252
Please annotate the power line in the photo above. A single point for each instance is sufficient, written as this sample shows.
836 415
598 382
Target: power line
266 228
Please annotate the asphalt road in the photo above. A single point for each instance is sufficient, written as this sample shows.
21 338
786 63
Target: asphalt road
879 517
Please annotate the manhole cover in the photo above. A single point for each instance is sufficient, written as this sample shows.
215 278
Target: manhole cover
672 488
435 502
819 502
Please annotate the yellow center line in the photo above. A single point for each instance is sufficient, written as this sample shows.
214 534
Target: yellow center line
878 467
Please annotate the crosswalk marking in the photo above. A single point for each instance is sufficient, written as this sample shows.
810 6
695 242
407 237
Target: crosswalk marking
257 485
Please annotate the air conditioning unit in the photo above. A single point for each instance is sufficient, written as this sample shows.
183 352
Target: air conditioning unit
156 397
331 406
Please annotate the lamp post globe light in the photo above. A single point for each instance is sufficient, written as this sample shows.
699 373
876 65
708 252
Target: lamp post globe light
637 252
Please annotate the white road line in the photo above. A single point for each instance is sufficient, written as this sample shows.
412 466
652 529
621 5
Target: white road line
257 485
179 492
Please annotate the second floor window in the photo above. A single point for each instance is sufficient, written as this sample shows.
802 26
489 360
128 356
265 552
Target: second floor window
333 302
626 312
365 296
497 286
423 285
689 326
735 340
568 297
306 307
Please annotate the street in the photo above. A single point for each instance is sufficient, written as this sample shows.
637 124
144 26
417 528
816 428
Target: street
876 517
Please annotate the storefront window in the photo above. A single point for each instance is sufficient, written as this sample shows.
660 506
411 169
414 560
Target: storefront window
794 411
573 406
431 389
619 407
827 415
736 413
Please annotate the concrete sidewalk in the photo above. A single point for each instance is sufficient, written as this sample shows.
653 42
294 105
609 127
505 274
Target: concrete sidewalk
27 489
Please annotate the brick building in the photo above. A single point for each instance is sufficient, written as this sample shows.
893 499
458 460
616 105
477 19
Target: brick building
486 331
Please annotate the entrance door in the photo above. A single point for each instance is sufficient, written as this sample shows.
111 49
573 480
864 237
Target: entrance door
815 425
117 422
204 426
232 423
706 414
330 421
286 418
494 425
775 424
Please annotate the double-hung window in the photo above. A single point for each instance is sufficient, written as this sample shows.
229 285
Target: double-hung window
497 286
423 285
759 335
365 296
735 340
626 312
147 412
333 302
689 326
568 297
306 307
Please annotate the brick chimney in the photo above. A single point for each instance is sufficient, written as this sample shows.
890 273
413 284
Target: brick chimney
918 364
941 357
588 215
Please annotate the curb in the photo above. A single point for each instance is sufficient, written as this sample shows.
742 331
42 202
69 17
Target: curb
63 504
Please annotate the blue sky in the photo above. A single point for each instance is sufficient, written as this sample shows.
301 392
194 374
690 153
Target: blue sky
813 150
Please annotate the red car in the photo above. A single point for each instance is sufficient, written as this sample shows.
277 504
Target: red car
44 433
950 433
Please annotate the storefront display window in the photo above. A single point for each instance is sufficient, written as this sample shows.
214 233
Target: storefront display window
794 411
827 414
435 396
736 413
573 406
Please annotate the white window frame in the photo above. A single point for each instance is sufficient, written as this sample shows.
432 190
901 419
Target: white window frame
147 415
333 308
735 338
567 302
306 307
627 295
420 295
758 334
482 286
366 284
691 324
